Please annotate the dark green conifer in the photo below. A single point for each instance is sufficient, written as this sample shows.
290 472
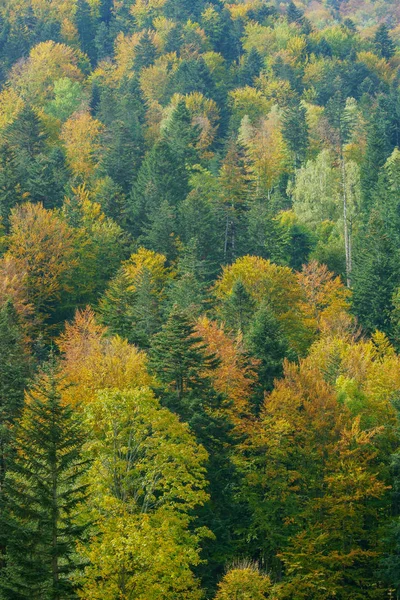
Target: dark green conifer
384 43
15 368
42 495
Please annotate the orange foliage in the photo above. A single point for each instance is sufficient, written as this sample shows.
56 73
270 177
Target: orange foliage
235 375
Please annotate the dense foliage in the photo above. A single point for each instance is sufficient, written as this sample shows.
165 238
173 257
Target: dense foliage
199 299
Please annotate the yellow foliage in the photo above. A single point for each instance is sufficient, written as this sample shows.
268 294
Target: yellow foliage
48 61
244 583
43 246
278 287
11 105
81 136
377 65
204 113
266 150
249 102
92 361
154 81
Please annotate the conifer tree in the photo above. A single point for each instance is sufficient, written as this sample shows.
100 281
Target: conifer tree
15 369
145 53
41 514
266 342
238 308
383 42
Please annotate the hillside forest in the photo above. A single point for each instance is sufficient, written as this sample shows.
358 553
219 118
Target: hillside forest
199 300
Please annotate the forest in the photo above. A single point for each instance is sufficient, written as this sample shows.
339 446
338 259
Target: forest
199 299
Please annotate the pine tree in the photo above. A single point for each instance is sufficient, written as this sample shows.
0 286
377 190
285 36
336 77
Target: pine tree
266 342
384 43
295 132
238 308
253 64
376 275
43 491
181 135
145 53
161 178
15 367
294 14
187 290
179 358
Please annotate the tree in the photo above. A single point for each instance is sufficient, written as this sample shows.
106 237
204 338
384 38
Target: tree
295 132
146 478
161 178
42 496
42 244
81 134
244 582
145 52
383 42
266 342
132 304
180 360
15 368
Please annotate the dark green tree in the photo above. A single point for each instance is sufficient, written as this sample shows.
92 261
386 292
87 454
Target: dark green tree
376 274
251 67
238 308
380 143
145 53
295 132
161 178
132 314
181 135
265 341
15 369
86 26
383 42
179 359
41 517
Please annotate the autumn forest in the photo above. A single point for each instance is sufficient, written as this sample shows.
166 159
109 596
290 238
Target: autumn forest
199 299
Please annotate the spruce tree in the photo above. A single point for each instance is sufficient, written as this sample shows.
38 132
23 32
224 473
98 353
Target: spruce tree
145 53
252 66
383 42
15 368
238 308
295 132
179 359
266 342
41 516
161 178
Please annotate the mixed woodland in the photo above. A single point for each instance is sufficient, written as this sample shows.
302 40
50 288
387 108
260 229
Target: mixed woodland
199 299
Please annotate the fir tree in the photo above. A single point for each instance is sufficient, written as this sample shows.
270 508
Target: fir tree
161 178
43 490
384 43
238 308
15 368
145 53
251 68
179 359
295 132
266 342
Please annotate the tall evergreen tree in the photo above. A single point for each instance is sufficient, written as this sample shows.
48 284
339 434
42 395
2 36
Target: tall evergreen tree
266 342
383 42
145 53
15 368
41 515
